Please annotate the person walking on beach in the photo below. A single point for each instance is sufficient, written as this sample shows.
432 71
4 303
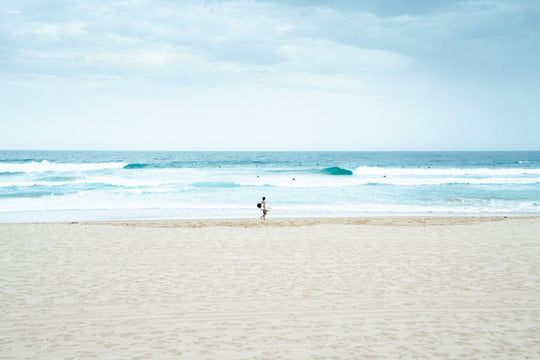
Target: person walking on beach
263 208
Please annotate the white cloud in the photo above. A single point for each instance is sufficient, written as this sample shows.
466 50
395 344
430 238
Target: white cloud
122 40
50 30
267 60
323 56
236 42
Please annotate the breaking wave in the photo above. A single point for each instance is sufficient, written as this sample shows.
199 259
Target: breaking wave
136 166
45 166
336 171
382 171
215 184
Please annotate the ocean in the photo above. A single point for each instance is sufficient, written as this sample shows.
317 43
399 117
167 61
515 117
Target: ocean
45 186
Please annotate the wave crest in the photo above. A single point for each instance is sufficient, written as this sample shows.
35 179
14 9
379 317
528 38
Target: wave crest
450 172
336 171
44 166
136 166
215 184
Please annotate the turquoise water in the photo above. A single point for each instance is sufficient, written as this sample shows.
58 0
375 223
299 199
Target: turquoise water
71 186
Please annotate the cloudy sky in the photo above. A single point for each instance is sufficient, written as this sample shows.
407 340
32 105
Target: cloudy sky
270 75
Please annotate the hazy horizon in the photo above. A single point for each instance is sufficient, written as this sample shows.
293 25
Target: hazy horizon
272 151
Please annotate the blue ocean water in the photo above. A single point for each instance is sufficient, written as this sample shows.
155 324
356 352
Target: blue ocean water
40 186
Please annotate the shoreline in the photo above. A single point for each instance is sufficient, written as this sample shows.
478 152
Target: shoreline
398 220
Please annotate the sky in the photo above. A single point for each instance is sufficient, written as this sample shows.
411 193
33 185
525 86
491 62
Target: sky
270 75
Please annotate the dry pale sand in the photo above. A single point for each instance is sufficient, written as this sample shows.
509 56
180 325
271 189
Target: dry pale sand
383 288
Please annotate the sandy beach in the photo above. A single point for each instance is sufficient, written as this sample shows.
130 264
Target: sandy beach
337 288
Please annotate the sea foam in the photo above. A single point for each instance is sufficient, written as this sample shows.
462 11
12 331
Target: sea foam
46 166
381 171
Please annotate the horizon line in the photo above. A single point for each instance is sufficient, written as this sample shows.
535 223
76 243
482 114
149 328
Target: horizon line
253 150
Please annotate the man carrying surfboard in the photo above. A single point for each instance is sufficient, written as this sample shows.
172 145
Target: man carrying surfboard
262 206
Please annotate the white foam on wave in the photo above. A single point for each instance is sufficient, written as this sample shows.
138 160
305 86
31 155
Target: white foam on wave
164 185
45 166
99 208
474 206
157 179
380 171
310 181
132 199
